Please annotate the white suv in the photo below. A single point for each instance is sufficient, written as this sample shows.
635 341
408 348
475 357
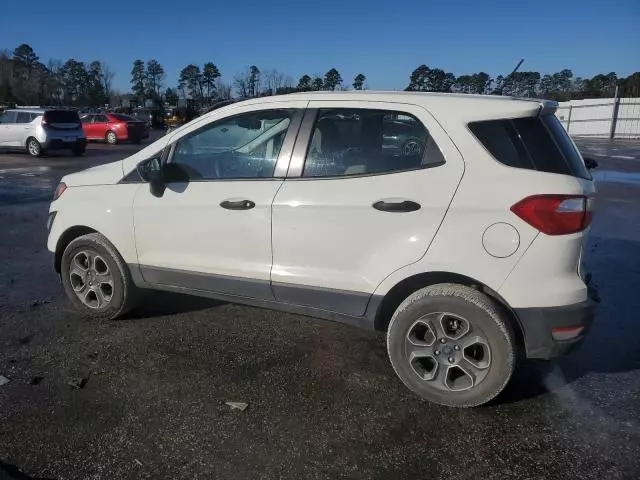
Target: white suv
455 223
37 130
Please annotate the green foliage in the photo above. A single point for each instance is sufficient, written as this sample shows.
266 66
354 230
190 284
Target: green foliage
154 78
425 79
171 97
332 80
358 82
304 84
138 81
24 79
190 81
210 75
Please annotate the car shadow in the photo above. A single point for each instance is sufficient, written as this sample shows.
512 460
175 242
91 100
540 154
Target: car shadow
11 472
158 304
613 343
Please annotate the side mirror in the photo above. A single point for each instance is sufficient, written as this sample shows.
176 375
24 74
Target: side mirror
590 163
151 171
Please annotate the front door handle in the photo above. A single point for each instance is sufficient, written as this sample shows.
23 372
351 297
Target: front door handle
397 206
238 204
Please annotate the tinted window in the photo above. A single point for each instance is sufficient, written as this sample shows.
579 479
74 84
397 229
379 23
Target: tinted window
23 117
244 146
124 118
8 117
531 143
362 141
100 119
61 116
566 145
87 119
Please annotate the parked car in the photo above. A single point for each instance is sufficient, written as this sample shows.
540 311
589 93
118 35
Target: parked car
466 251
114 127
38 130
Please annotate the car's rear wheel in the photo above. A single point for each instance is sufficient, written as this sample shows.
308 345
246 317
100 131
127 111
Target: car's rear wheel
96 278
111 138
33 147
452 345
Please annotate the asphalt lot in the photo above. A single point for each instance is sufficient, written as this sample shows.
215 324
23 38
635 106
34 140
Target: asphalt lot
323 400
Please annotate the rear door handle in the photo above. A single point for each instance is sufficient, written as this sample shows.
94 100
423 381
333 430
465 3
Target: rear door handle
396 206
238 204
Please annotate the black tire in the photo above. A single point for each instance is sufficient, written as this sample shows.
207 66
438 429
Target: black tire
111 138
78 151
34 148
485 321
124 294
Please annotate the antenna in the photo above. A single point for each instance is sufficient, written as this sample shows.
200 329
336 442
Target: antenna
508 77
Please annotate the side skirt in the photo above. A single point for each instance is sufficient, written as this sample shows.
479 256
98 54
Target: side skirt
364 322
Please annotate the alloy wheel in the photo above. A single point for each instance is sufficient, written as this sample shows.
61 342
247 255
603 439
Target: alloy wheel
447 352
91 279
34 147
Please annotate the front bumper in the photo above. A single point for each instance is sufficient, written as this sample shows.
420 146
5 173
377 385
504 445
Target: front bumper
539 326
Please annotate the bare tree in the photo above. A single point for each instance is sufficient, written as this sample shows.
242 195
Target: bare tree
273 80
223 90
107 79
241 83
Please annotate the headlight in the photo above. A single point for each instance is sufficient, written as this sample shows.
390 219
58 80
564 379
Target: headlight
59 191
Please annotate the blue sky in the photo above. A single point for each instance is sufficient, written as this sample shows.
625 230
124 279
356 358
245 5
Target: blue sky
384 40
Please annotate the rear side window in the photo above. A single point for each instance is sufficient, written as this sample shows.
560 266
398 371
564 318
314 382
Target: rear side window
532 143
8 117
124 118
61 116
24 117
362 141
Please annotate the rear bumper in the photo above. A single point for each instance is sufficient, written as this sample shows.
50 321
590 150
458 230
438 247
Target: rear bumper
59 144
540 325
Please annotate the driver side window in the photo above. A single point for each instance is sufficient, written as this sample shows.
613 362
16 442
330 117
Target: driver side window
241 147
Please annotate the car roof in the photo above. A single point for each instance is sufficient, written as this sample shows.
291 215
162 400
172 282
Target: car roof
447 105
41 111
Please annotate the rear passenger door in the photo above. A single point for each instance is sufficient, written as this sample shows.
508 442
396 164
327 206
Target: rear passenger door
368 185
100 126
87 126
21 129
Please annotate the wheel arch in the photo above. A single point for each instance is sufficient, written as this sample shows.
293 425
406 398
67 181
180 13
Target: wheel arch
66 238
407 286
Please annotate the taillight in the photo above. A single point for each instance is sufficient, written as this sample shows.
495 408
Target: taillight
556 214
59 191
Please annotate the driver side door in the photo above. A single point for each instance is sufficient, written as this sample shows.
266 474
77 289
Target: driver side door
211 228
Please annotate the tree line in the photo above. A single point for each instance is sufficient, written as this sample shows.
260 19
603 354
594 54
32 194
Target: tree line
25 79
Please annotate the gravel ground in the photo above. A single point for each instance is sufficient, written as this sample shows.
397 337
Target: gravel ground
145 397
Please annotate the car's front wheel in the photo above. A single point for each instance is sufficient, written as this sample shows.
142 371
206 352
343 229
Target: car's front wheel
452 345
96 278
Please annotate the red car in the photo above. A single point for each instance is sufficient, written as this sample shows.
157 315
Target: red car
114 127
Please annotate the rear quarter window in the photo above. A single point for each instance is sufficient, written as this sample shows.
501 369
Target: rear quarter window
532 143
